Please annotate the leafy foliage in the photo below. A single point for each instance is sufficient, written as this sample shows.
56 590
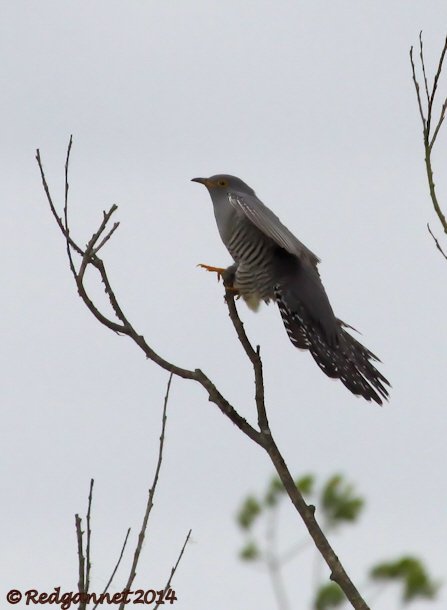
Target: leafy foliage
306 484
275 489
339 502
411 573
249 552
248 512
329 596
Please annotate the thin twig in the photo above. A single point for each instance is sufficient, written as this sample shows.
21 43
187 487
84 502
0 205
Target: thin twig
438 126
67 163
254 357
150 501
418 93
173 570
89 537
438 73
66 230
421 55
81 558
436 242
88 256
109 582
106 238
102 227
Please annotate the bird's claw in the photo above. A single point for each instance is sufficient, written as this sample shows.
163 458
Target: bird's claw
219 270
222 274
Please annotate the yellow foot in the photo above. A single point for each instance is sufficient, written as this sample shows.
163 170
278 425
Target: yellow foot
219 270
220 275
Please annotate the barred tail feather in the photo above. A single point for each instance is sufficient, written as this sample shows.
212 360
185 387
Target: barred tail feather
346 359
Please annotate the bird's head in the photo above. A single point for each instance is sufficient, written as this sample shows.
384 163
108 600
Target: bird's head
224 183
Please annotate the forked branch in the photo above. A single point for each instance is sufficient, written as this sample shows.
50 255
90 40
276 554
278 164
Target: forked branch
261 435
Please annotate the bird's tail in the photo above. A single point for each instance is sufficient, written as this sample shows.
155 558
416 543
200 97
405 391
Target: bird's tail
345 358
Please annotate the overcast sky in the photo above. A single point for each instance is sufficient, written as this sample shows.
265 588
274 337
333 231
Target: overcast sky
312 104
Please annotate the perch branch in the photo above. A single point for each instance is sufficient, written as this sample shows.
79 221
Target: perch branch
261 437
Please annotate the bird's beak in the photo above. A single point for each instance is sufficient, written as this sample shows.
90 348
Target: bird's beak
203 181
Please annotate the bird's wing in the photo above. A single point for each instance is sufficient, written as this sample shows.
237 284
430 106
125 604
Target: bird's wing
267 222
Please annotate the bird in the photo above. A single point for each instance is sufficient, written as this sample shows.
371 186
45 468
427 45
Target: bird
271 264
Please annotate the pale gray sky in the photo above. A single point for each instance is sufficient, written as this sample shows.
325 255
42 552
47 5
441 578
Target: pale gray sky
312 104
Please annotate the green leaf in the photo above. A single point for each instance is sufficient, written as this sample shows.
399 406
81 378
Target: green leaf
329 596
339 501
248 512
275 489
305 484
412 574
249 552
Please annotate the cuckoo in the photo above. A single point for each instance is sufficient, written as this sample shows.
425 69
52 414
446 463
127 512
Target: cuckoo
270 263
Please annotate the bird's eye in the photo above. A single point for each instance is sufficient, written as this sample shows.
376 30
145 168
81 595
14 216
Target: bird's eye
222 183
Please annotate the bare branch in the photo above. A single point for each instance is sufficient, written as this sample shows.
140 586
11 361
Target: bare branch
418 93
173 570
106 238
255 359
67 162
89 251
438 126
150 501
66 230
438 74
88 256
421 55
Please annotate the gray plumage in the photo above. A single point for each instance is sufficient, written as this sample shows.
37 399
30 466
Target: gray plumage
272 264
